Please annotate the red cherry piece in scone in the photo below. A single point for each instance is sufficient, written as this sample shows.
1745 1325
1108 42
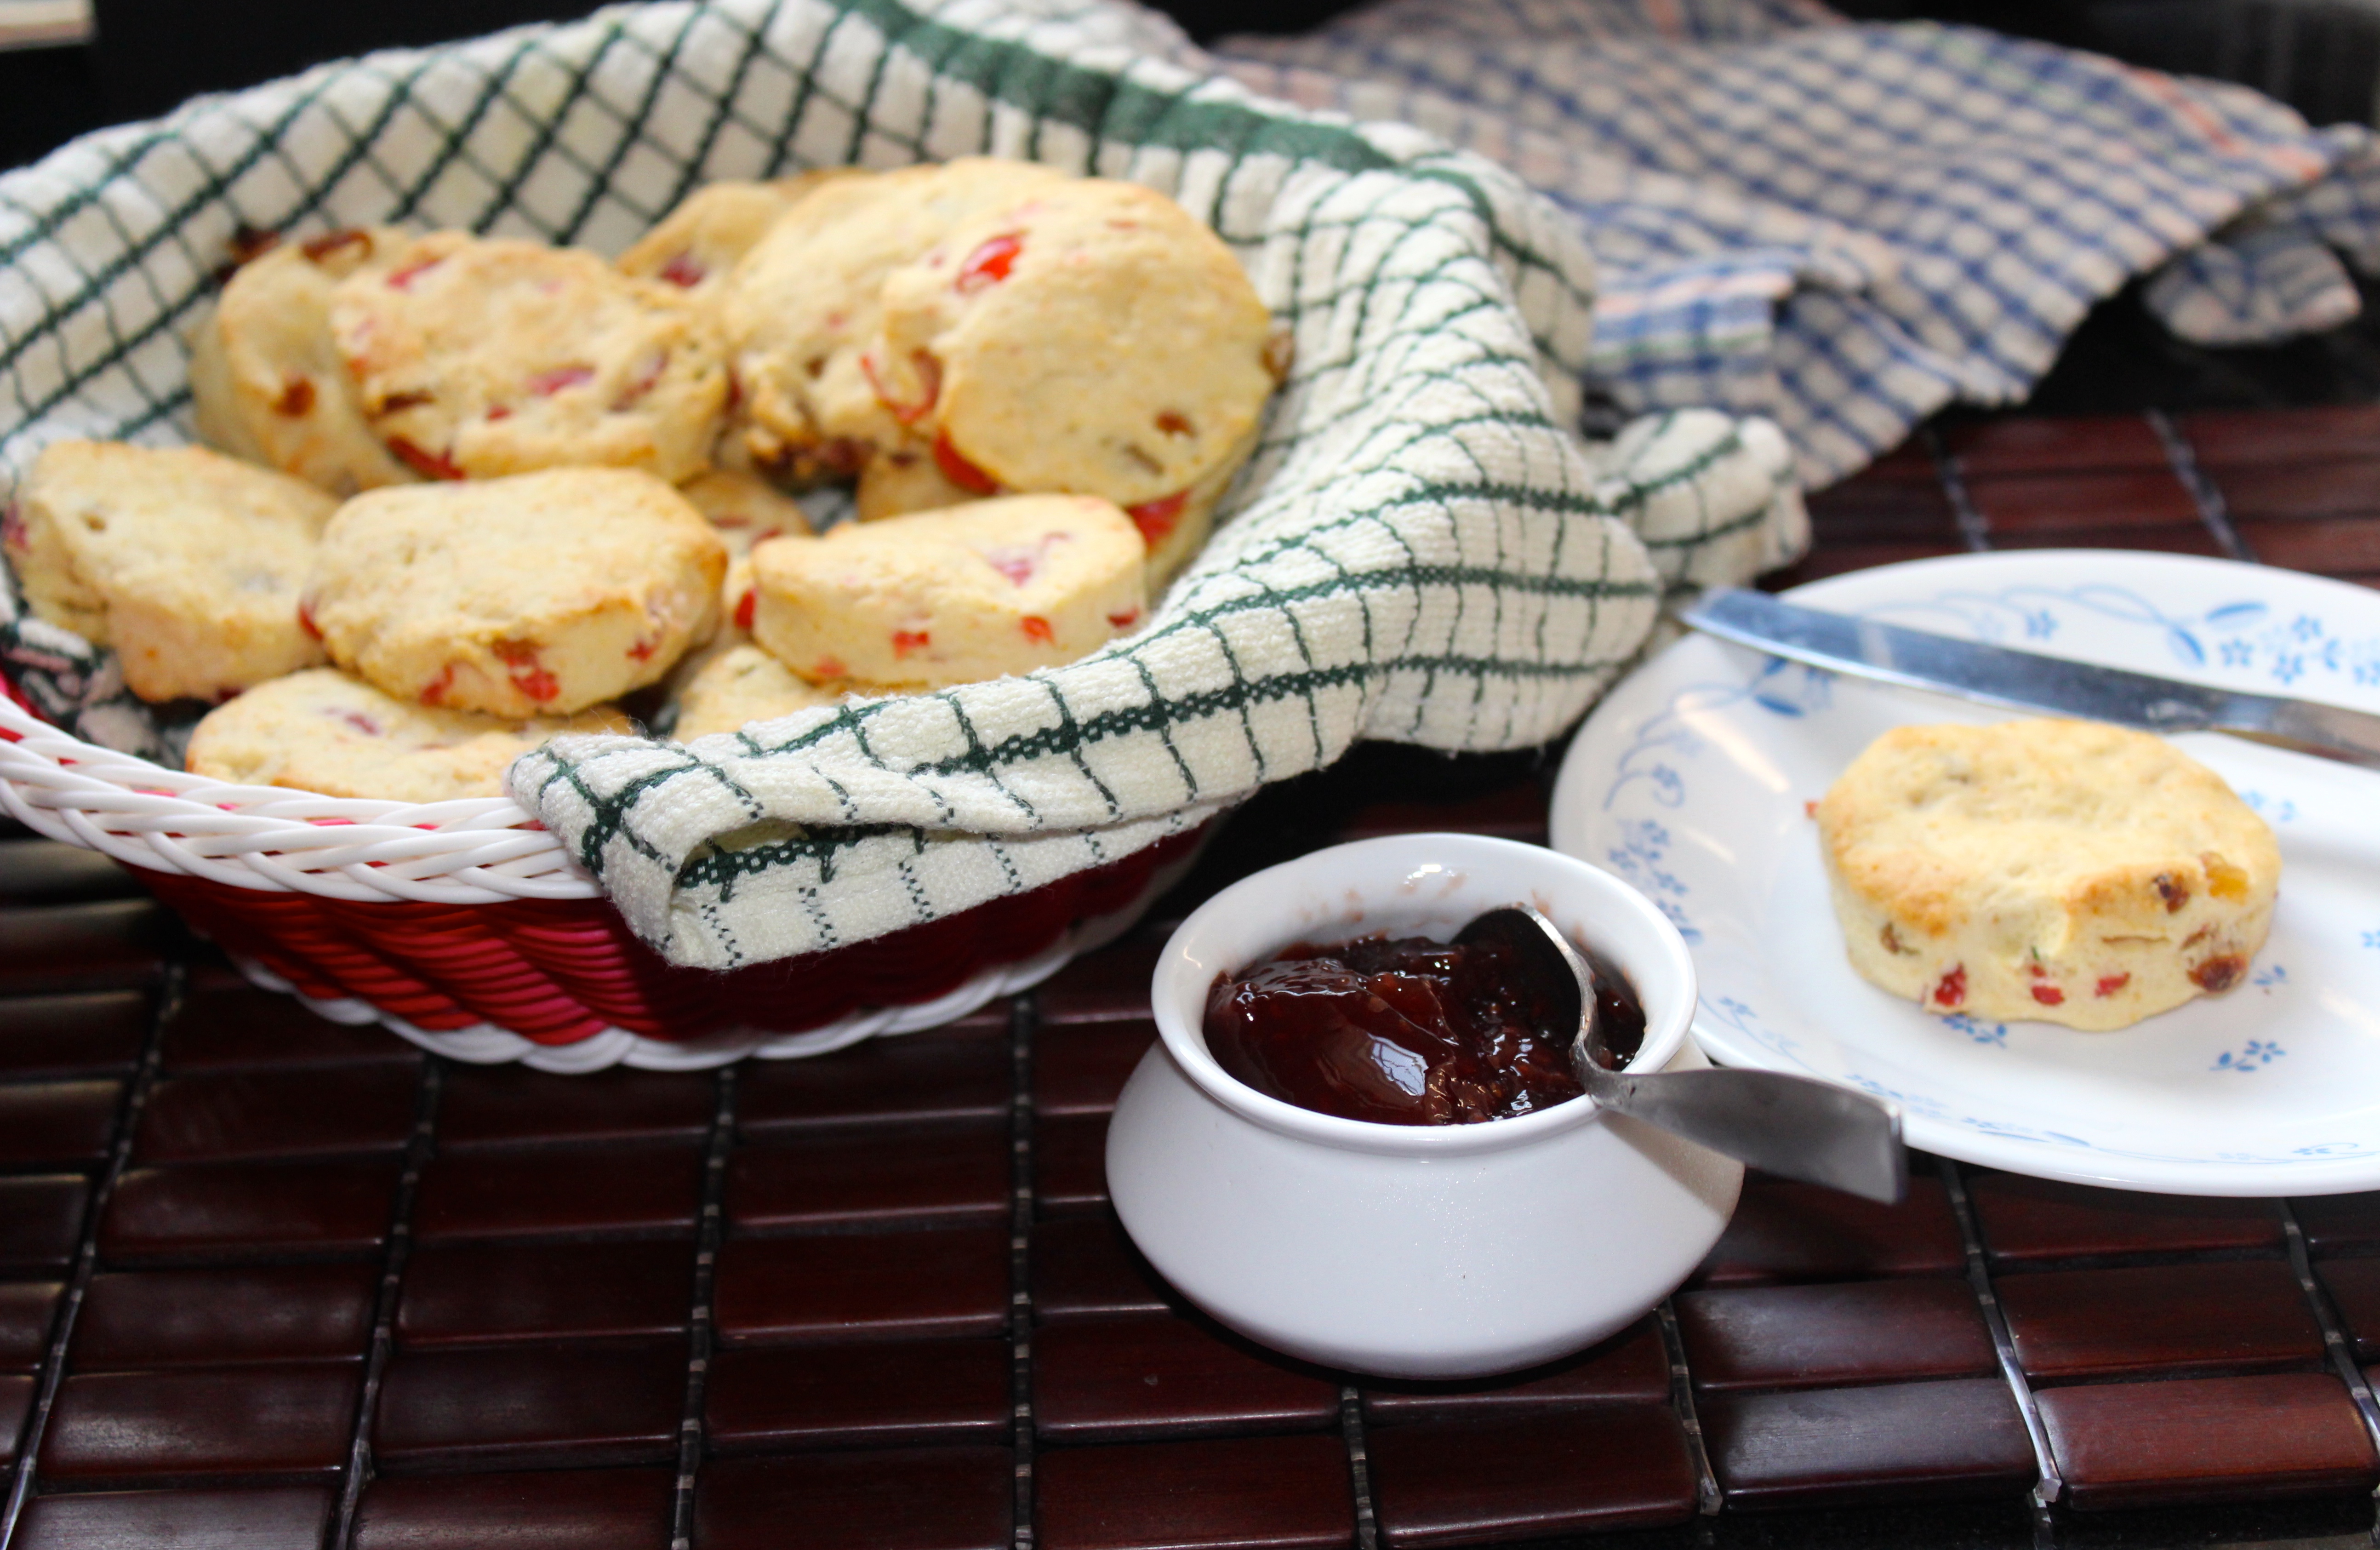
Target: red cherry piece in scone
538 594
325 731
991 588
188 563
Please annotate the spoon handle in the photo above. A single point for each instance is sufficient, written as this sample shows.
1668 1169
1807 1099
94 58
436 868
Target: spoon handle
1791 1126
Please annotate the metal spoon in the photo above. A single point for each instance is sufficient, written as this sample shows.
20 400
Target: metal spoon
1791 1126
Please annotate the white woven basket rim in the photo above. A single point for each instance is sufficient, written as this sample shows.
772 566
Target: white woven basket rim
475 851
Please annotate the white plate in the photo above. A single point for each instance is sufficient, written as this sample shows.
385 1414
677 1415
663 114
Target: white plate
1691 780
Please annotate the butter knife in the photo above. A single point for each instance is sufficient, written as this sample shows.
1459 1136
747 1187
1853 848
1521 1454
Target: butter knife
2027 680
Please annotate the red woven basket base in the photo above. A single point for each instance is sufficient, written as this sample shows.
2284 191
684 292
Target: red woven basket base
559 971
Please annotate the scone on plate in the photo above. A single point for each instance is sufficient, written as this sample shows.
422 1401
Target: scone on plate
540 594
1091 338
265 380
475 357
323 731
947 597
2061 871
186 562
742 685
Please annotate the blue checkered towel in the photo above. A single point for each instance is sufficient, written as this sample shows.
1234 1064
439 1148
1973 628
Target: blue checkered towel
1847 226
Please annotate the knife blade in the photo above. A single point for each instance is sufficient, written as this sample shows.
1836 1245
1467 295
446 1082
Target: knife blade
2027 680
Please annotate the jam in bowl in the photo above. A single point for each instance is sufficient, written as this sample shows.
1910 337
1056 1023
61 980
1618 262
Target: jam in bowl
1409 1031
1391 1237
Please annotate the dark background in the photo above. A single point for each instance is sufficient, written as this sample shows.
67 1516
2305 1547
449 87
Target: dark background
2321 54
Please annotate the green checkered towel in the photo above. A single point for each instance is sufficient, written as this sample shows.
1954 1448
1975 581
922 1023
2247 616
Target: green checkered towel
1422 548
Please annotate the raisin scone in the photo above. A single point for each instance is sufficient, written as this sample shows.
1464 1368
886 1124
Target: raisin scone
538 594
803 304
474 358
742 685
188 563
2062 870
267 382
695 245
323 731
1090 338
946 597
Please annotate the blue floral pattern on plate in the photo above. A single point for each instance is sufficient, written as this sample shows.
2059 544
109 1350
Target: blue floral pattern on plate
2282 644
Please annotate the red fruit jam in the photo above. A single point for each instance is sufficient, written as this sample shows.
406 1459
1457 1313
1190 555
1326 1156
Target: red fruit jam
1406 1031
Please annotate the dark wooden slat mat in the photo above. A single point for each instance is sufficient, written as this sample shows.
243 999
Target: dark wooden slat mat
269 1281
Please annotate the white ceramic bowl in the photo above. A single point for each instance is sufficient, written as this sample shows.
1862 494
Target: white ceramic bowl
1417 1251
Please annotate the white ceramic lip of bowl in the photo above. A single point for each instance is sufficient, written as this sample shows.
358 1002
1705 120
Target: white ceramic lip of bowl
1428 883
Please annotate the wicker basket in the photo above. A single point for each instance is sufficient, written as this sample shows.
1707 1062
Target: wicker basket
463 927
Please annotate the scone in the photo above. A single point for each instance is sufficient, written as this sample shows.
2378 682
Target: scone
188 562
2062 870
540 594
695 245
1091 338
946 597
739 686
322 731
803 304
476 358
267 382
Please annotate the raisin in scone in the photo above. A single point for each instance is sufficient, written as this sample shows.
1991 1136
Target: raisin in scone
188 563
2061 871
323 731
742 685
538 594
803 304
1091 338
265 379
946 597
695 245
475 357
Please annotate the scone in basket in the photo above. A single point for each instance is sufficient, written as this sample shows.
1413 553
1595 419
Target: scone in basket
1420 548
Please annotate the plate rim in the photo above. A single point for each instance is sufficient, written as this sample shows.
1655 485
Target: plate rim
2210 1178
